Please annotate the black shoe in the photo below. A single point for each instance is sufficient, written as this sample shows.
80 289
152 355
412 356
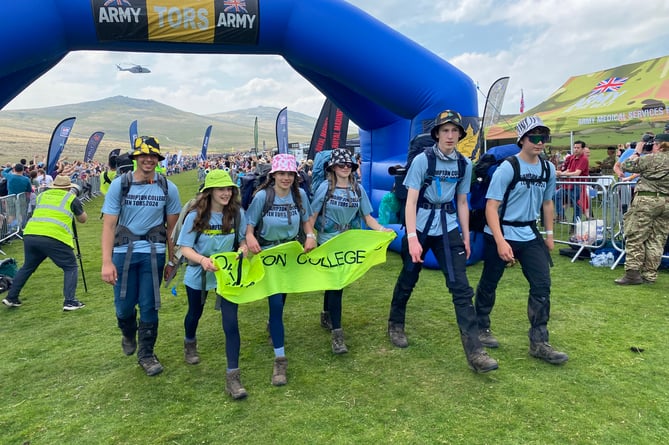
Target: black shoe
73 305
13 302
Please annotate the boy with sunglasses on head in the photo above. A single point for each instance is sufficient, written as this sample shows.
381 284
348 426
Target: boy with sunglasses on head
513 236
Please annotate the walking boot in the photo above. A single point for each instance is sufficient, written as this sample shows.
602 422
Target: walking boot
487 339
128 328
326 323
397 335
279 377
233 385
480 362
338 345
477 358
148 332
546 352
630 277
190 352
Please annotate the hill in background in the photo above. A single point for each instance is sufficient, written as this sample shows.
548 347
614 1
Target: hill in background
26 133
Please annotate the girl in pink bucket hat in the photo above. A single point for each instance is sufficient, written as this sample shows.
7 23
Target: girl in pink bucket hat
278 211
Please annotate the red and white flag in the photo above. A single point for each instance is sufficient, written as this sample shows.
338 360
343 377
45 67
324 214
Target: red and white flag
522 102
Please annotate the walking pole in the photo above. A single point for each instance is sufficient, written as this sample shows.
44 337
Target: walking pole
81 264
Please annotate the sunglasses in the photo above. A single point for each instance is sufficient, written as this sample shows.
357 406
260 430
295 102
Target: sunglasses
538 138
344 165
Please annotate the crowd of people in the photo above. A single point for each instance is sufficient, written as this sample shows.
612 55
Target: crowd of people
143 206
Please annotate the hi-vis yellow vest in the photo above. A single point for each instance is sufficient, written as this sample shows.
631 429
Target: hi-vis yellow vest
52 216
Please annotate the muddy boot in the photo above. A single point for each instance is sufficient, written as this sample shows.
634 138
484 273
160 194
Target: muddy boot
397 335
148 332
279 377
233 385
547 353
326 323
487 338
478 360
128 328
630 277
338 345
190 352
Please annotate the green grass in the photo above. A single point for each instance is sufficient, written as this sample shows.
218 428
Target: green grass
66 381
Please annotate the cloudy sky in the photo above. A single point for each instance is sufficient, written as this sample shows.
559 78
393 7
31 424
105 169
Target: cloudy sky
538 43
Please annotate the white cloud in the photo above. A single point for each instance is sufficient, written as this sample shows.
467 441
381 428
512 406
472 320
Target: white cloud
538 43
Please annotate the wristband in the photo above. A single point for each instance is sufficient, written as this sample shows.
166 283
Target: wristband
170 263
311 235
549 232
411 235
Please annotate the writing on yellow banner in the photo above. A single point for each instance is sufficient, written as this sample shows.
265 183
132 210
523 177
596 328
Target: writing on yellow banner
287 269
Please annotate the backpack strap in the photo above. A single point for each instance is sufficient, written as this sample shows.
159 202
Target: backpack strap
515 164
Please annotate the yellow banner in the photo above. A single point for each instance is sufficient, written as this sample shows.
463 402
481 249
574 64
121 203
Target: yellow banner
287 269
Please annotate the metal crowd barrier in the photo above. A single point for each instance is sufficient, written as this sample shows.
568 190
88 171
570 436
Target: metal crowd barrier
602 224
583 222
13 217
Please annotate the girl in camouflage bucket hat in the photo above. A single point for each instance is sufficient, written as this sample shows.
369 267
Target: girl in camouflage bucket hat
339 204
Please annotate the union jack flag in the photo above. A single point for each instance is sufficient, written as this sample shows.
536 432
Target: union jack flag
609 85
235 5
117 3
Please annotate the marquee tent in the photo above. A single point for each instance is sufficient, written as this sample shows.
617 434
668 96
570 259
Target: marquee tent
633 95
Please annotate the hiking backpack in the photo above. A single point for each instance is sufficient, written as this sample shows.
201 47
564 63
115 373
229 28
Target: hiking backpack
250 183
483 171
422 143
127 179
321 161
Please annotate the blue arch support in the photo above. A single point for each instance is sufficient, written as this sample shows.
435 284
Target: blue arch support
387 84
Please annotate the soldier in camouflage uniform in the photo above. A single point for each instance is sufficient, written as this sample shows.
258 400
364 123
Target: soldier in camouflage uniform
606 166
647 220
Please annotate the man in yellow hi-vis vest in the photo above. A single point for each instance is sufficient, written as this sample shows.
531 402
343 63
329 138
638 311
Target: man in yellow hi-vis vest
49 234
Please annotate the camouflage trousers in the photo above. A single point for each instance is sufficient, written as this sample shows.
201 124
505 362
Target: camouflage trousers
646 231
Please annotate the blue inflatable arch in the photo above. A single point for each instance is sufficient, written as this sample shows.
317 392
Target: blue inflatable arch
387 84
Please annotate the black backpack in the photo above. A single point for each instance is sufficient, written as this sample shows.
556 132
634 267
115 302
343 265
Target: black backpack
250 183
422 143
483 171
3 187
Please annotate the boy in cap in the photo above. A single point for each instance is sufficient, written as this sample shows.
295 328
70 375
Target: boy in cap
140 209
49 233
514 236
432 223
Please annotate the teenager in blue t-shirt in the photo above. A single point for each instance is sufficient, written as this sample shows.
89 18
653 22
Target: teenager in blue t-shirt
450 246
513 237
339 204
281 223
215 223
134 247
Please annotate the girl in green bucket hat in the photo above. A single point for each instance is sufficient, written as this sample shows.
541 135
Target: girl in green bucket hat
215 223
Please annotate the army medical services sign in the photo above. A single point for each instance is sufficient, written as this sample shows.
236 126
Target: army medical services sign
178 21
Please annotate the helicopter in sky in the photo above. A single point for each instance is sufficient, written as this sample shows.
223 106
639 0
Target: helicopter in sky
136 69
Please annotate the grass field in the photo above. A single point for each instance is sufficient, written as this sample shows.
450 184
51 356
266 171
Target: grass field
66 381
